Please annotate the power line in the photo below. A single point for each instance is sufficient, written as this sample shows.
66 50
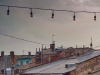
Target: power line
96 43
25 40
31 13
21 39
96 39
97 46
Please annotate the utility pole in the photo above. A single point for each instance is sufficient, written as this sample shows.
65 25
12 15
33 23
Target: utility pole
42 55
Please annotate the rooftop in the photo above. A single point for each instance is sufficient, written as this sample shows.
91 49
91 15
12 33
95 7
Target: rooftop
88 56
59 66
54 67
26 57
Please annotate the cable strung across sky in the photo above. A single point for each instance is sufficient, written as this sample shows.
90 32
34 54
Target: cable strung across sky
22 39
31 13
33 41
25 40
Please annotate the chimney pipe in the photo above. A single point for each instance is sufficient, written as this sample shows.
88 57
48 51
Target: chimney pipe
76 46
39 50
45 47
29 53
2 53
36 51
83 46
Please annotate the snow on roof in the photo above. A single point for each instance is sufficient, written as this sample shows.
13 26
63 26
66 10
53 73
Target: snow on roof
59 66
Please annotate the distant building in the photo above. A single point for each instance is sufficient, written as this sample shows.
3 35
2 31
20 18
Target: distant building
8 61
25 60
88 64
49 55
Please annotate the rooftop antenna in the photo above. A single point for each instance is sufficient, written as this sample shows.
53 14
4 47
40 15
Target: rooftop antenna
52 39
23 52
91 43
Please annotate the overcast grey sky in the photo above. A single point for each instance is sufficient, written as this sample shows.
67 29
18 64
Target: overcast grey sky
41 27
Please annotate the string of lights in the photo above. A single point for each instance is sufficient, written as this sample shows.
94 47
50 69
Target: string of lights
31 13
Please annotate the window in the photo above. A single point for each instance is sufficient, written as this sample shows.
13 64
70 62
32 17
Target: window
27 62
21 63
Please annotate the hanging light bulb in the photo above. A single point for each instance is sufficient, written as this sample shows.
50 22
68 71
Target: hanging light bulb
31 13
8 11
94 16
74 16
52 14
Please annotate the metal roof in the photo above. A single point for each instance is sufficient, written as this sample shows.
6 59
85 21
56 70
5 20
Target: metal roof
88 56
54 67
59 66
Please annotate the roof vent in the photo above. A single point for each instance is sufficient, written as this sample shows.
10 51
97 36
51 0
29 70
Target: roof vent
66 66
69 65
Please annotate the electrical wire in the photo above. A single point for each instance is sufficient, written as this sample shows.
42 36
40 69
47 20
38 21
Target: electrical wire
25 40
21 39
97 46
97 43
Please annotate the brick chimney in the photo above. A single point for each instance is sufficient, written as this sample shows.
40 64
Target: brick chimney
2 53
29 53
52 46
12 57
